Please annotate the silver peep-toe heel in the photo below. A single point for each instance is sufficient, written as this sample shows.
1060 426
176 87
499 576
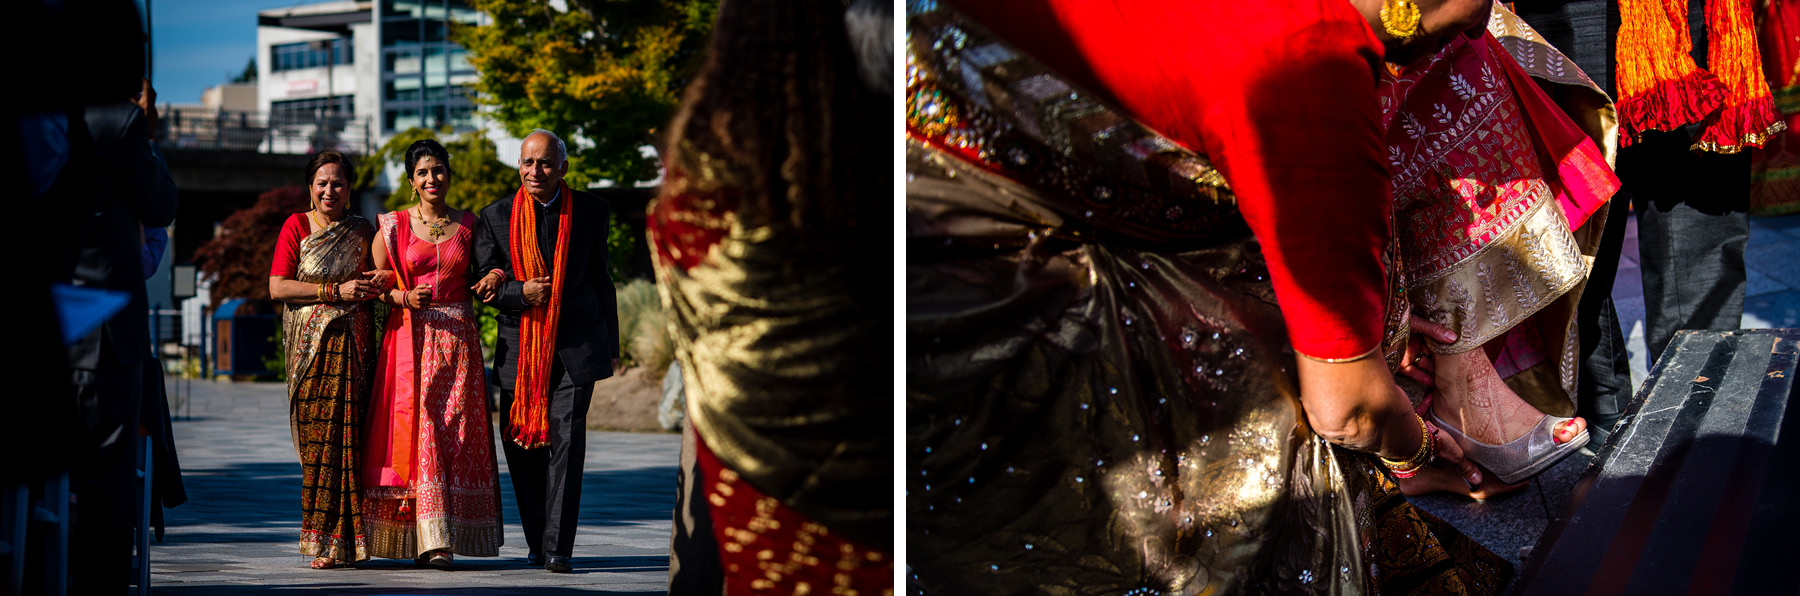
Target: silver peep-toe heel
1519 458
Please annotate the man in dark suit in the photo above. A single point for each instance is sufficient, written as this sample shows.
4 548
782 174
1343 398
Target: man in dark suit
546 473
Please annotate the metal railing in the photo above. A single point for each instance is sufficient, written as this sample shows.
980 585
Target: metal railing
263 132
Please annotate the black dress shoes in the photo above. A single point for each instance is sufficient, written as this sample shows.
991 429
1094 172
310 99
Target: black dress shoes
534 559
559 564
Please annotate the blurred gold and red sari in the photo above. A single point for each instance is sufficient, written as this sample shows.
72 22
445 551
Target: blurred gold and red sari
1775 168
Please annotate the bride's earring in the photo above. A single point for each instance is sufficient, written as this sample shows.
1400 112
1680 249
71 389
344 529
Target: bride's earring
1400 18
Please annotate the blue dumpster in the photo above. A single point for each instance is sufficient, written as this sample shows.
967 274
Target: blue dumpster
241 338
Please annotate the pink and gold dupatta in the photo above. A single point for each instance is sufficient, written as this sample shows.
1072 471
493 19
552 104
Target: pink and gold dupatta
394 415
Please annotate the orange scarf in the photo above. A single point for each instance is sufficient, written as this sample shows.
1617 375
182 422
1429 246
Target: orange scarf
1660 87
529 416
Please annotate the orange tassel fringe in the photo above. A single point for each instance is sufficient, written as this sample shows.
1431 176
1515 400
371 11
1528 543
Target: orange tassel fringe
1748 117
1660 87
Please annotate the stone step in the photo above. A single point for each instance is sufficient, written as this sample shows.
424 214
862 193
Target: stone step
1696 492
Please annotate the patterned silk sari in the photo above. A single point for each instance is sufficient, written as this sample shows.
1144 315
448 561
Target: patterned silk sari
1489 180
1100 390
430 480
330 349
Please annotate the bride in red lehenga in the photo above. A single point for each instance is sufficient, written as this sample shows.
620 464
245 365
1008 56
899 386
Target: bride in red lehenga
430 480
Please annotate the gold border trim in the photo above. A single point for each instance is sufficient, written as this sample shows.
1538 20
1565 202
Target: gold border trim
1539 251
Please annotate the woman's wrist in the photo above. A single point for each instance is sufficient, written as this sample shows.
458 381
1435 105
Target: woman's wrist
1425 454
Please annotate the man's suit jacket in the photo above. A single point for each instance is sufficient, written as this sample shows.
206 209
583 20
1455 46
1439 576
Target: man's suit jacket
587 336
130 190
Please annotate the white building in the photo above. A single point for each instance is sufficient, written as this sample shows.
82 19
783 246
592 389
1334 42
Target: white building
384 63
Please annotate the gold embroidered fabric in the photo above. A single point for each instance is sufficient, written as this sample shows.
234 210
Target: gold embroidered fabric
1513 277
784 354
990 105
1582 100
1533 270
335 254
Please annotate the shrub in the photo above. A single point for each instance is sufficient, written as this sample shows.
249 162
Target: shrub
643 336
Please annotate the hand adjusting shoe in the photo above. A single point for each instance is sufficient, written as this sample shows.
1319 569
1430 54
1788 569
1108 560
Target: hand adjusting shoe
558 564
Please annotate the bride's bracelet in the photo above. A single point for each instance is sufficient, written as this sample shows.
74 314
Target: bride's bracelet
1427 453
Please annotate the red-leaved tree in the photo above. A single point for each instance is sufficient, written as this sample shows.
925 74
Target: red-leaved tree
239 257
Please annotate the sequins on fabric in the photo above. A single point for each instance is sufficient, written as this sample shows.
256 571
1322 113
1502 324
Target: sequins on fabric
974 97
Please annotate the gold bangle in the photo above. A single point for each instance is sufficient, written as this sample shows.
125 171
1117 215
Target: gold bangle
321 293
1427 451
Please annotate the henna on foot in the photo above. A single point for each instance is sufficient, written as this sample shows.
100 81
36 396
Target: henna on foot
1472 397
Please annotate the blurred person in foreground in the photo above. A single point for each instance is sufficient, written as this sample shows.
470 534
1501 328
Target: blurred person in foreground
48 159
771 239
321 271
543 255
430 483
132 190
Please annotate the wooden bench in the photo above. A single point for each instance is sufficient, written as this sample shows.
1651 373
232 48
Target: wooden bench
1698 490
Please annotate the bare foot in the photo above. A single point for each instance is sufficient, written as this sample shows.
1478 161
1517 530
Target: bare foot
1472 397
1439 479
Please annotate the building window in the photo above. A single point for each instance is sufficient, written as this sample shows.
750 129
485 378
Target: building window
397 120
404 32
462 116
397 8
310 54
401 89
403 61
299 111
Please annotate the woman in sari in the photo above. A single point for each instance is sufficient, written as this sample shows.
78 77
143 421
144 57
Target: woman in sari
770 238
321 273
432 489
1155 304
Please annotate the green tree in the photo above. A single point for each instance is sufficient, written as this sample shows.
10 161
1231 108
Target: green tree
605 75
478 176
238 257
248 75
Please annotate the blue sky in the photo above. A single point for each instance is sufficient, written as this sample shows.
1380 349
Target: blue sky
201 43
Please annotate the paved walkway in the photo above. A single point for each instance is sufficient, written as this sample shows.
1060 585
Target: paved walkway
1509 523
239 531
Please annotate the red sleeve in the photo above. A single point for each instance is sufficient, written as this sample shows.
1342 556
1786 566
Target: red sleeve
287 247
1281 97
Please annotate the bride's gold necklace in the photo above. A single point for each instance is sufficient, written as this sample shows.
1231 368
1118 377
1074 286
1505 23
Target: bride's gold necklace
434 229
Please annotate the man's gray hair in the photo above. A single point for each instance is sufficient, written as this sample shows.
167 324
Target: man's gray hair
561 149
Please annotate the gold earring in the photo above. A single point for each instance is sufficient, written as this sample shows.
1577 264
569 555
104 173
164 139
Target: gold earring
1400 18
